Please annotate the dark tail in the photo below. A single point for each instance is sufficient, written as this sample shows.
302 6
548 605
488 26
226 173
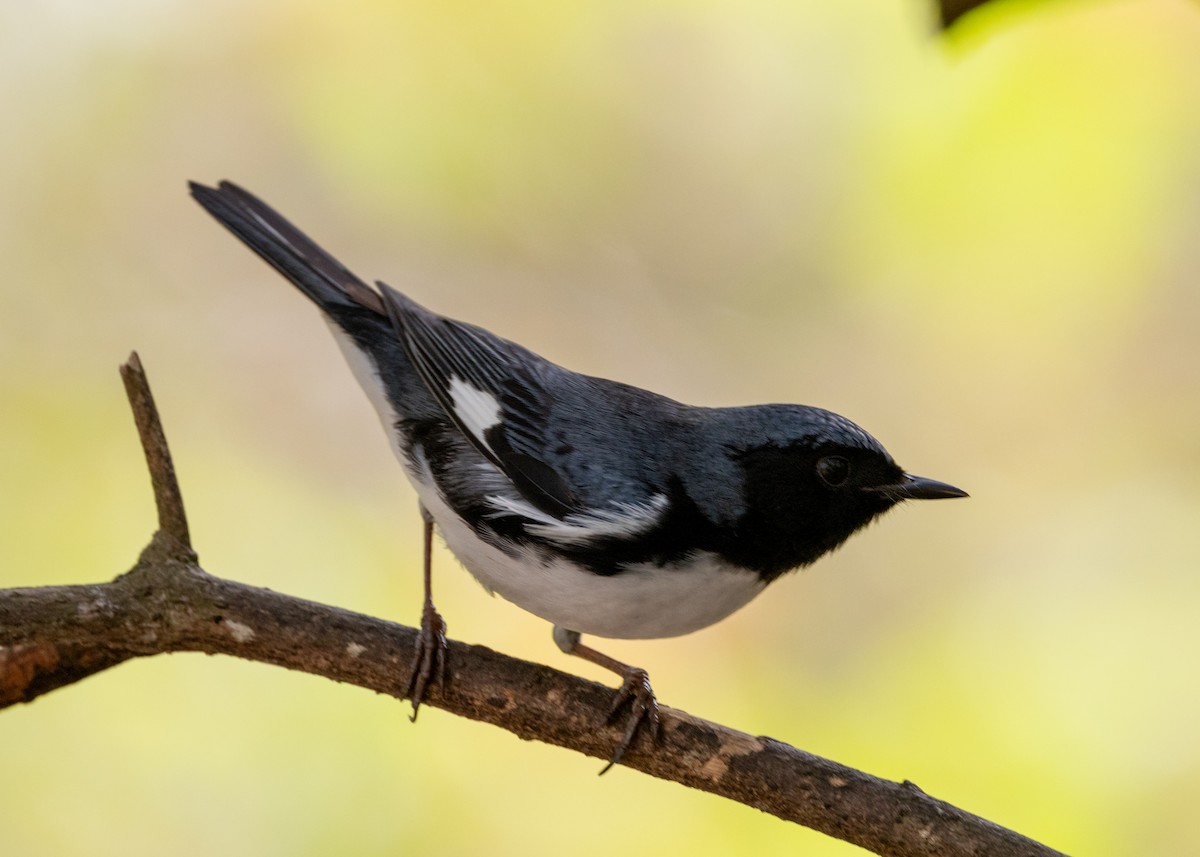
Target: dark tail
320 276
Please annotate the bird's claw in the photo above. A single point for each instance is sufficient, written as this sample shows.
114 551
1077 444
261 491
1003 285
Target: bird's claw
635 693
429 658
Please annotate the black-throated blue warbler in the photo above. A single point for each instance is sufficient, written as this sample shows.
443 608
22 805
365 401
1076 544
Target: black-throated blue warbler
603 508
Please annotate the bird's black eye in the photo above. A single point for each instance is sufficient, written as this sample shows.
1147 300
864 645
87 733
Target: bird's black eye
833 470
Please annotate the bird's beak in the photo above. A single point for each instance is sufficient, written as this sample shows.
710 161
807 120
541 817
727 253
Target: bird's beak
919 488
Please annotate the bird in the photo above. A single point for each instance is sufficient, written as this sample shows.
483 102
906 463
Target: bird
603 508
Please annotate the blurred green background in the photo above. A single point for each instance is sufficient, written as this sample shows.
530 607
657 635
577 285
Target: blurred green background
982 247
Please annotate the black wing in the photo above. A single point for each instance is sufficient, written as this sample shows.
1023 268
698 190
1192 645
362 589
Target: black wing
490 389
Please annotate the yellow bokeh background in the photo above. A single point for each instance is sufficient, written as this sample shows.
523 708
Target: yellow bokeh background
981 246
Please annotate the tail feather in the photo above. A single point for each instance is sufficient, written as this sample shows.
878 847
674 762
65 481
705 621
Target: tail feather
320 276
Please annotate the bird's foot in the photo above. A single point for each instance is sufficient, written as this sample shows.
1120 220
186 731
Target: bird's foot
429 658
636 694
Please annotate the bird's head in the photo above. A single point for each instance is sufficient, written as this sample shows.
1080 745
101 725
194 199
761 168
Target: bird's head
810 479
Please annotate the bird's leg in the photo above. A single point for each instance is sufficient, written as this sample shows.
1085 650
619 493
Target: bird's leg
635 692
429 658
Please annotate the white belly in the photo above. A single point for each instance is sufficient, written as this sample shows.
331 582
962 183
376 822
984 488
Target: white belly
642 602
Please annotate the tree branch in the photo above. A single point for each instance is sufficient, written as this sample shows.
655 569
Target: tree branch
54 636
167 496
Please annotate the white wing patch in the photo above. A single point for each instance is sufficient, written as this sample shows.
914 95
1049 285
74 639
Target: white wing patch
620 520
477 409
